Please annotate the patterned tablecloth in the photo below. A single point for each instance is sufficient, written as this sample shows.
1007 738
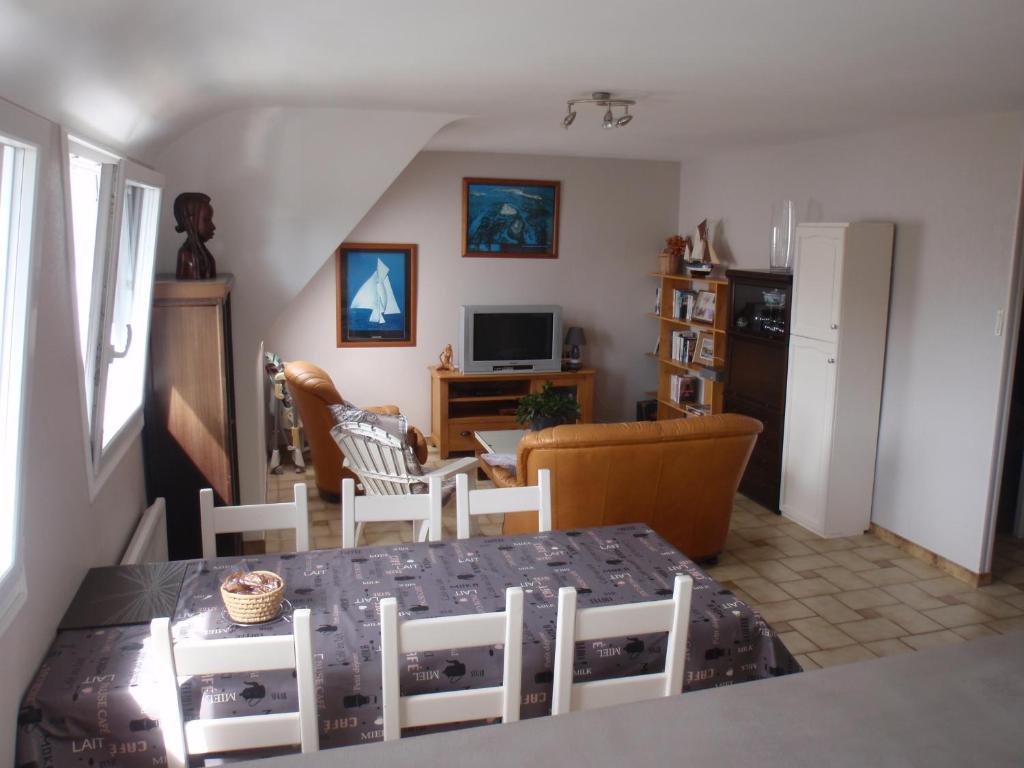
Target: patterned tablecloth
92 702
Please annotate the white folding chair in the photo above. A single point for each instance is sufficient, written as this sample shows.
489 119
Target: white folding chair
254 517
149 541
493 501
423 510
192 658
575 626
444 633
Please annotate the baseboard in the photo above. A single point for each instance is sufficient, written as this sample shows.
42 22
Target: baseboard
955 570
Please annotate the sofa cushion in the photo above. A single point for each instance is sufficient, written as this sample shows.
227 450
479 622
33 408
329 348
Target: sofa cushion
395 425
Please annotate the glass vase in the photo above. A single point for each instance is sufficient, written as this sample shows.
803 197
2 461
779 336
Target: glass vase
783 237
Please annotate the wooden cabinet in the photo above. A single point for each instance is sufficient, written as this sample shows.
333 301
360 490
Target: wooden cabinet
712 388
189 437
461 403
834 385
756 368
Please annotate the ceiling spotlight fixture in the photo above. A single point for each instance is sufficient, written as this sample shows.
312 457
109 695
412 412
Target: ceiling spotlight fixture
601 99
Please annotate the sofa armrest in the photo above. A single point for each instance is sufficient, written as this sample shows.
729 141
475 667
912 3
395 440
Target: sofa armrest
504 478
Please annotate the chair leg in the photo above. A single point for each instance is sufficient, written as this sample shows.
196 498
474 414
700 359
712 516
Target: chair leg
359 532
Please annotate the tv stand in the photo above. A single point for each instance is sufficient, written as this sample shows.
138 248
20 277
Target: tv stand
463 403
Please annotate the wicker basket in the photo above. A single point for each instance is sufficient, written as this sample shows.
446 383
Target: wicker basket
252 609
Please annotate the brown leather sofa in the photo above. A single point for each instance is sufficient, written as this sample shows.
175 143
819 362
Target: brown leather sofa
678 476
313 393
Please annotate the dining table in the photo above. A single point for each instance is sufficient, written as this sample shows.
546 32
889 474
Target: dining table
94 700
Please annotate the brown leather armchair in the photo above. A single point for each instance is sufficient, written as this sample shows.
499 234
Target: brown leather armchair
313 393
679 476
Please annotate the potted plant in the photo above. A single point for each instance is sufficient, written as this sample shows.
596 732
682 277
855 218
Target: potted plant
547 408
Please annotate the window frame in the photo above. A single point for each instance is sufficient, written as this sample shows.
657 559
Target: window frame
93 368
30 138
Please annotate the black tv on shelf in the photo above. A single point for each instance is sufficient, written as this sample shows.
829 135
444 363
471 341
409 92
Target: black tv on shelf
506 339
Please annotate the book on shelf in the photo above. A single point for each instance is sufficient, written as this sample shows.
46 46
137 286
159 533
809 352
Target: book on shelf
683 345
685 389
682 304
697 409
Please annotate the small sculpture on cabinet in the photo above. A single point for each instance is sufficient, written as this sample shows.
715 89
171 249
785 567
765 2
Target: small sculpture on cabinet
193 215
445 359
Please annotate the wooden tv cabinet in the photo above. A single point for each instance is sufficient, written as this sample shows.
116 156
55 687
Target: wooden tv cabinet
462 403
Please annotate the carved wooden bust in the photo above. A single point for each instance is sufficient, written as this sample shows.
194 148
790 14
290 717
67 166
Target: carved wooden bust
193 215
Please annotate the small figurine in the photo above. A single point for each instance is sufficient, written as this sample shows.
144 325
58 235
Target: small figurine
445 359
193 215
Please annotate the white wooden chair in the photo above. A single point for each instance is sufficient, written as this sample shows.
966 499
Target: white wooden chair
192 658
386 468
254 517
444 633
149 541
423 510
493 501
586 624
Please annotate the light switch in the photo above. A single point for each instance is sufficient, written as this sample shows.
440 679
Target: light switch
1000 320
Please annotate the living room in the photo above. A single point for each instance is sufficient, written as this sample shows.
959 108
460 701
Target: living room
910 115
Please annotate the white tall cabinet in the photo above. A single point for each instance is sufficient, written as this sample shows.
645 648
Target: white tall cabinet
838 326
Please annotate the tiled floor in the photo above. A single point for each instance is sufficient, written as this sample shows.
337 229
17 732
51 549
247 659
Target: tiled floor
833 601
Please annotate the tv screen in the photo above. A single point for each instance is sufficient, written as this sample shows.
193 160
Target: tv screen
505 336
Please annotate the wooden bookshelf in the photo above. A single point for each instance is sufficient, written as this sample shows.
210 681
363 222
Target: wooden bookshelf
713 391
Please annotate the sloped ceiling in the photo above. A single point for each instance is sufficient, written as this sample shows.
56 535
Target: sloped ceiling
708 75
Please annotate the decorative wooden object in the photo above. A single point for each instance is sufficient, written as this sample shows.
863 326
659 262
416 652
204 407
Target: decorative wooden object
193 215
756 373
463 403
712 390
189 436
445 359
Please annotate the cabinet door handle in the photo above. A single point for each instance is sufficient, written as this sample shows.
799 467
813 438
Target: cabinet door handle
830 360
834 326
464 433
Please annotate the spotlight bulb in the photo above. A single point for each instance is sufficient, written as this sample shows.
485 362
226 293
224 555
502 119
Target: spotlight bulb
609 119
567 120
624 120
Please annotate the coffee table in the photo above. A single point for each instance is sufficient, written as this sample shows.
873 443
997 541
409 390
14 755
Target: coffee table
499 441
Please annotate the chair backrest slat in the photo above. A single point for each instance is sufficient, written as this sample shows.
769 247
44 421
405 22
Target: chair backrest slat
192 658
672 616
491 501
254 517
443 633
415 508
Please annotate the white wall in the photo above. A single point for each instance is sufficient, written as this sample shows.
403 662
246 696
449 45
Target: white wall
952 188
615 215
287 186
63 533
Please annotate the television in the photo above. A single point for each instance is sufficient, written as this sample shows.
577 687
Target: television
500 339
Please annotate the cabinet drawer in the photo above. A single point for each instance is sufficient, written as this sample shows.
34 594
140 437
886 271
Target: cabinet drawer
460 433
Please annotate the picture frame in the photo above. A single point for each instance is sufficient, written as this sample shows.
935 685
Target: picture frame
704 307
375 294
704 351
510 218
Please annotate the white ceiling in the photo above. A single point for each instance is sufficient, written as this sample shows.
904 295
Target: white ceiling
708 75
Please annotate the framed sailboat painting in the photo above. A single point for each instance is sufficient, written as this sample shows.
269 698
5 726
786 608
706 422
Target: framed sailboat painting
376 295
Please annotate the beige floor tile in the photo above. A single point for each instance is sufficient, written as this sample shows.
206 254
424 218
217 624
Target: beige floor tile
796 643
849 559
761 533
821 633
1013 576
806 663
762 590
865 598
831 609
890 647
843 578
809 587
829 545
798 532
993 606
756 554
880 552
807 562
791 547
917 567
870 630
943 586
784 610
913 621
1017 601
731 572
845 655
883 577
913 596
742 596
1005 591
1005 626
775 570
974 631
932 639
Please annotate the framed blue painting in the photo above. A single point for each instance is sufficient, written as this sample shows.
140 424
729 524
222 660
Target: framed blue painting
510 218
376 295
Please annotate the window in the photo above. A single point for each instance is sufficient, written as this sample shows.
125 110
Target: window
114 206
17 197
